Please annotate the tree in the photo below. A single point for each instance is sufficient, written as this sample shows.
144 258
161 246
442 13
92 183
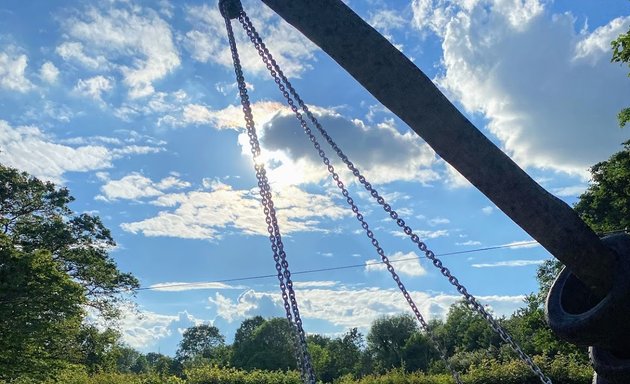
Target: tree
621 54
40 312
333 358
200 341
52 264
387 338
465 331
605 205
98 349
34 215
264 344
161 364
419 353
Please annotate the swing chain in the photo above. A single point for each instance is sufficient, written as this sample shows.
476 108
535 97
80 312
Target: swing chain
277 246
471 301
279 79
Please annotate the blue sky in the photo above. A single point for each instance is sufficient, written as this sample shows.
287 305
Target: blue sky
133 106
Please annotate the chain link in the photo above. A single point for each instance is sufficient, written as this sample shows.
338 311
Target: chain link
275 238
279 79
471 301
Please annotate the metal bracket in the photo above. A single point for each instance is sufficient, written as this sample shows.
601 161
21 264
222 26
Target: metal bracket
230 8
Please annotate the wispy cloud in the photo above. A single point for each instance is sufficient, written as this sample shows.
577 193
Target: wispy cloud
187 286
510 263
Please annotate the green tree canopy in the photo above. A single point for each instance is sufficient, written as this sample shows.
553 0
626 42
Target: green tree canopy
621 54
387 338
264 344
605 205
200 341
40 312
35 215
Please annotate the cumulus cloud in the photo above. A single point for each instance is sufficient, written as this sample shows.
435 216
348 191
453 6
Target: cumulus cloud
12 71
212 214
381 152
548 91
207 41
348 307
49 72
29 149
135 186
127 34
405 264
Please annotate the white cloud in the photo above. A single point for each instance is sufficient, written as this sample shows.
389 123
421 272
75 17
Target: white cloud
469 243
404 263
315 284
29 149
73 51
386 20
130 187
135 186
207 41
181 286
137 35
348 307
487 210
520 244
438 221
510 263
549 92
423 234
48 72
94 87
211 214
12 68
571 191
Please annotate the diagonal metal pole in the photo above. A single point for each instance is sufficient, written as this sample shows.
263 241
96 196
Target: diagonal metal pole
403 88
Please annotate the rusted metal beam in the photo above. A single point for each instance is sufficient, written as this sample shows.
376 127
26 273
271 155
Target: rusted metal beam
403 88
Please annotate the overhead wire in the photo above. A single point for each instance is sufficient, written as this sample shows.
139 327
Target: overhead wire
155 287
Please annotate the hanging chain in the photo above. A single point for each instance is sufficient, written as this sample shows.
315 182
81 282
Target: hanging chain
276 72
277 246
471 301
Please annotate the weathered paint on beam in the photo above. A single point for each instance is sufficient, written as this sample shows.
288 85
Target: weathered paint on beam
403 88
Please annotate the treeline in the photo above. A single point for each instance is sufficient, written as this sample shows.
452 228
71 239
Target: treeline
393 351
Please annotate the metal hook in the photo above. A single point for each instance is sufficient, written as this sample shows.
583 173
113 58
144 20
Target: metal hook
230 9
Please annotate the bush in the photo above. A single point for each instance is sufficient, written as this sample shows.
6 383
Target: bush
216 375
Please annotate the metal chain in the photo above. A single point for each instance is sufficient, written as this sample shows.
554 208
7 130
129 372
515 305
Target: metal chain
471 301
279 255
274 70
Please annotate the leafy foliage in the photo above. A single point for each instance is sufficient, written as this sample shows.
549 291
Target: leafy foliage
605 205
34 215
621 54
200 341
387 339
40 310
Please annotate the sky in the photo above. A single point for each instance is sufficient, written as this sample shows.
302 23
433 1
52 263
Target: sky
133 106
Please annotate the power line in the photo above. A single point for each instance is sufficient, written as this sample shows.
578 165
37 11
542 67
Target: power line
327 269
317 270
351 266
